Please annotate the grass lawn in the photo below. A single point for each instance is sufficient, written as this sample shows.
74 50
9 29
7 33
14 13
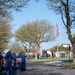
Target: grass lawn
71 65
64 59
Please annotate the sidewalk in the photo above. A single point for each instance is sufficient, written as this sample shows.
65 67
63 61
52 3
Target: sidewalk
56 62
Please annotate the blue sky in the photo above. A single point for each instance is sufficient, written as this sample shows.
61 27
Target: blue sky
40 11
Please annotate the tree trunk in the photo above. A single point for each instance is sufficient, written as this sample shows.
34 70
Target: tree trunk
37 49
73 45
36 56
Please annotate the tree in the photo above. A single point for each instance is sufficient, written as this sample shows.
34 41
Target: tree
5 34
35 33
15 47
7 5
66 8
61 48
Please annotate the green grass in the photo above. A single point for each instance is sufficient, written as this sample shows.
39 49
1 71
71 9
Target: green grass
72 66
65 59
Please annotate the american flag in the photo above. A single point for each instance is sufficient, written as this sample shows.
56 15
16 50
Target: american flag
57 30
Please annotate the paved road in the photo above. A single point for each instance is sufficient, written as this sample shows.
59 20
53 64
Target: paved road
42 68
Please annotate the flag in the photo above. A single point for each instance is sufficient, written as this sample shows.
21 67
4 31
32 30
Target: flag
57 30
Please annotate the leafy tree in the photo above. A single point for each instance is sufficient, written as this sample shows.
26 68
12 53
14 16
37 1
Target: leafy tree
35 33
7 5
66 8
5 34
15 47
61 48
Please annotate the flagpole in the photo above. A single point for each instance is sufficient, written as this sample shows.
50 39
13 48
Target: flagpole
57 34
57 44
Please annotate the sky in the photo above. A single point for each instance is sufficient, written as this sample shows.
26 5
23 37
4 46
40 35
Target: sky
40 11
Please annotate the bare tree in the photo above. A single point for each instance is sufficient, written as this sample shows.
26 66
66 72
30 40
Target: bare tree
66 8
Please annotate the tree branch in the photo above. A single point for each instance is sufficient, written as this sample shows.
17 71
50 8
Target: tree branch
62 18
72 20
62 2
3 42
31 45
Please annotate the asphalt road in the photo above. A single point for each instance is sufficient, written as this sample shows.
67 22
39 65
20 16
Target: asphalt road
42 68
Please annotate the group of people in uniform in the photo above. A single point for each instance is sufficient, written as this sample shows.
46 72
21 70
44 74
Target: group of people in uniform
12 62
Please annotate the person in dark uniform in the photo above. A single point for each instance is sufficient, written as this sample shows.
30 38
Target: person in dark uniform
14 61
22 57
1 63
9 59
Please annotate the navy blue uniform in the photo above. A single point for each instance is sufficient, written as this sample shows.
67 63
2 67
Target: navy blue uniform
1 65
22 56
9 59
1 58
14 63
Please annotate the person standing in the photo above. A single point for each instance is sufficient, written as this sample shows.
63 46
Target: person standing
9 59
22 57
14 61
1 63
